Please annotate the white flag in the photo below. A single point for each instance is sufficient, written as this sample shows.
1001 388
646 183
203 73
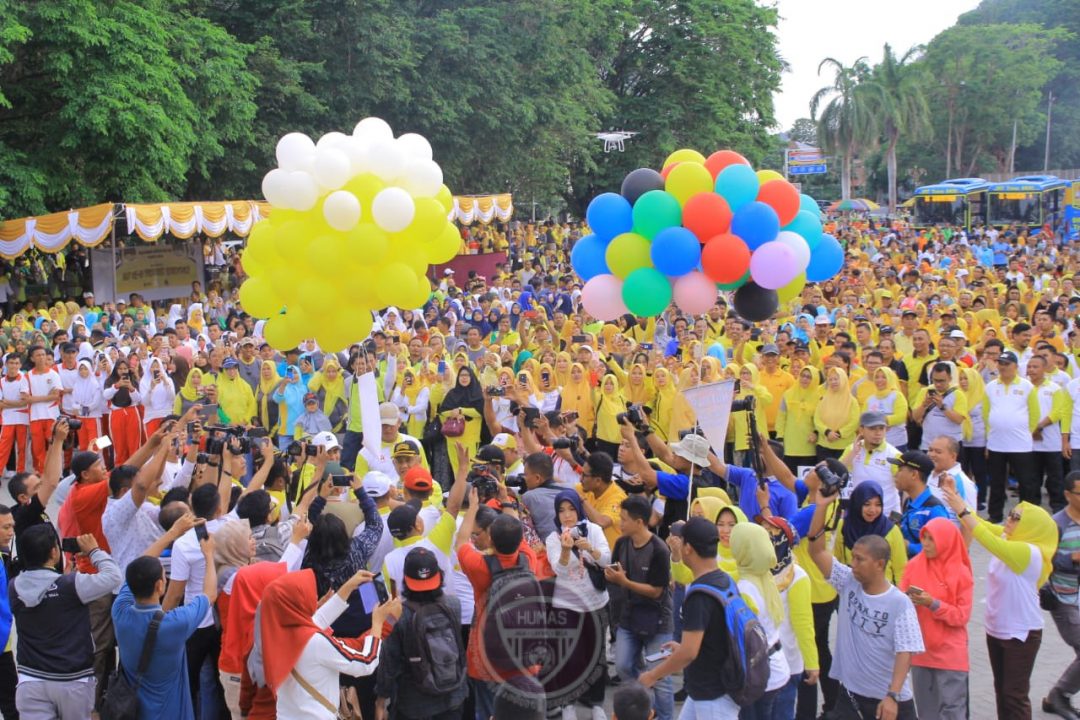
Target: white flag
712 406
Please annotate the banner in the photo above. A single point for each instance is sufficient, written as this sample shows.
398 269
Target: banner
712 406
157 272
369 414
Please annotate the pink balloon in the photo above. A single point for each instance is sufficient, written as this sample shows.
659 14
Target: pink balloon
602 297
695 293
773 265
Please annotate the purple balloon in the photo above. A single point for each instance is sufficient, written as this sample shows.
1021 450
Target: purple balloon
773 265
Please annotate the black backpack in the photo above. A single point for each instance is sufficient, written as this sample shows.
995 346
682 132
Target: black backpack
121 700
433 646
514 620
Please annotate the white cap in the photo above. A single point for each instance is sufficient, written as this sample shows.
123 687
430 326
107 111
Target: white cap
376 484
448 271
326 440
822 320
959 334
389 414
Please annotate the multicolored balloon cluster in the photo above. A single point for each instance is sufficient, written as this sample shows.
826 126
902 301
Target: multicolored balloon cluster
698 226
356 221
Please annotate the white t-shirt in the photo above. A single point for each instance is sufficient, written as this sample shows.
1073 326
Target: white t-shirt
11 391
189 565
779 671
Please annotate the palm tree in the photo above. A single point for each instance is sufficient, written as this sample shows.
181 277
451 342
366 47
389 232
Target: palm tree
898 100
847 121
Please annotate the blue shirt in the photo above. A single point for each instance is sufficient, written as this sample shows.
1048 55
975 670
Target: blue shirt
673 487
164 691
1000 250
781 500
917 513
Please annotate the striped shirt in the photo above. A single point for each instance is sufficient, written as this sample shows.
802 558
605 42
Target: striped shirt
1066 575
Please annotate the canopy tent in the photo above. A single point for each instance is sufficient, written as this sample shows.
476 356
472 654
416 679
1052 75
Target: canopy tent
185 219
482 208
51 233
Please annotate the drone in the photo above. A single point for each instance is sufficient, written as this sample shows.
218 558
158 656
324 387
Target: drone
614 139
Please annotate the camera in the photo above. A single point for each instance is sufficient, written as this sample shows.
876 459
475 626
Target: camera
746 403
516 483
635 415
74 423
497 391
832 482
202 458
563 443
485 481
581 530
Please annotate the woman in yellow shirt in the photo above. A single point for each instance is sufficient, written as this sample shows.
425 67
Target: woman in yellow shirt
612 402
664 402
837 416
795 421
465 401
577 396
887 399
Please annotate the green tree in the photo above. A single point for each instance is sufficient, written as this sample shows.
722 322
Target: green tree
846 123
803 130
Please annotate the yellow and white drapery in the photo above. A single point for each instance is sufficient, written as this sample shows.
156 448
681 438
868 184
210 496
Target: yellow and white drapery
51 233
184 220
482 208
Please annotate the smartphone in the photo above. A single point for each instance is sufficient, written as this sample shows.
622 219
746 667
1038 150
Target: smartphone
70 545
895 517
201 532
579 339
340 480
913 590
646 346
442 366
102 442
570 417
290 373
369 595
657 657
614 566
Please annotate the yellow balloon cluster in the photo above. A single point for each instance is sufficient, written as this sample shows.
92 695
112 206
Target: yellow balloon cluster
362 246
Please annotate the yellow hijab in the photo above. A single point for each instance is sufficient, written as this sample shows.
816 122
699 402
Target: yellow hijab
611 396
755 557
334 389
803 401
836 404
1037 528
563 377
578 397
266 387
189 391
892 384
641 392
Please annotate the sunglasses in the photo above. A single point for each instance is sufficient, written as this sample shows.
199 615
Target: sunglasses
1014 516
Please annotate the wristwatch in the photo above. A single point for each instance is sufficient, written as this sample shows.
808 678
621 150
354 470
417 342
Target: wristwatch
964 513
894 695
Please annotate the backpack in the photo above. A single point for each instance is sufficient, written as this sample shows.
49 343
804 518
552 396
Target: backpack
433 646
121 698
514 620
746 671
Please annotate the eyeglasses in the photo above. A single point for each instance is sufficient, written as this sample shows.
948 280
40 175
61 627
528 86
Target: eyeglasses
1014 516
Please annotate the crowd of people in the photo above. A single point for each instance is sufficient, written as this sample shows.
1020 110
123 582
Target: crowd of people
540 526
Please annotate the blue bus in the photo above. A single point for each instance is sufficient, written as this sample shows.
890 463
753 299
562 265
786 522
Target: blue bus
1031 201
958 202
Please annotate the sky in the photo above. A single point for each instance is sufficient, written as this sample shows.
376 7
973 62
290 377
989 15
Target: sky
811 30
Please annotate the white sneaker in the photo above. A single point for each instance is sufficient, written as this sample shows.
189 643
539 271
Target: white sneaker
598 713
569 713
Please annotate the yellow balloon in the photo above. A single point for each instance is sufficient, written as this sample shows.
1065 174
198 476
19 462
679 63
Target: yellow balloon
427 223
365 187
367 244
280 216
395 284
446 199
315 296
257 296
628 252
326 251
765 176
359 286
685 155
284 281
423 294
446 246
687 180
791 291
280 334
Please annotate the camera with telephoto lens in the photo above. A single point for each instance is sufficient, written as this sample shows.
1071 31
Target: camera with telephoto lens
746 403
563 443
634 415
833 479
516 483
497 391
486 482
219 436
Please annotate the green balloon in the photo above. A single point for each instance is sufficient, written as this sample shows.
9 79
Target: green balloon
654 211
646 292
735 285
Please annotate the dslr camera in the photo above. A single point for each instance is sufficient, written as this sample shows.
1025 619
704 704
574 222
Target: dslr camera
635 415
746 403
219 437
832 481
496 391
485 480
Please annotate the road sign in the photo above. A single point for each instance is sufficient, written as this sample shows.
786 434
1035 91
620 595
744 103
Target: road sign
816 169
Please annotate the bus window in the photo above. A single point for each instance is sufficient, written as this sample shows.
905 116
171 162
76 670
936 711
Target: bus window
939 210
1014 208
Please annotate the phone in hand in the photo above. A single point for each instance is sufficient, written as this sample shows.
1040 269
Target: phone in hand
658 656
340 480
579 339
70 545
895 517
442 367
201 532
914 590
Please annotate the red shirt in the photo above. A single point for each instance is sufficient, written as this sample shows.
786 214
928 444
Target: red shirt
88 503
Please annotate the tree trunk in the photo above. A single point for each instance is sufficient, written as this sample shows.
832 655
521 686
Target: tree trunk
845 177
890 162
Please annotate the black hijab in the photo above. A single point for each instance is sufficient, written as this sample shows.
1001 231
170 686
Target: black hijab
464 397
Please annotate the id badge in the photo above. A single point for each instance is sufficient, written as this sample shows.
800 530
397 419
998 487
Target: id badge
84 411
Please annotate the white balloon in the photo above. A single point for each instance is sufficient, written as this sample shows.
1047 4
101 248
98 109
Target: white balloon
386 159
304 191
331 139
293 150
373 128
798 246
416 147
357 152
341 210
332 168
276 188
422 178
393 209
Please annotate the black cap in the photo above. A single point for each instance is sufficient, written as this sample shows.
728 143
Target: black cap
908 312
702 535
1007 357
422 572
802 345
916 460
401 520
885 329
490 455
83 461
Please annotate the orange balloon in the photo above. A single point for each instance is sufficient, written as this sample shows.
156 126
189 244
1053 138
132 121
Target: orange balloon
782 197
725 258
721 159
706 215
667 170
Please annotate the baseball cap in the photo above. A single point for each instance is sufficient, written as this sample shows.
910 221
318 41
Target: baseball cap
702 535
958 334
770 349
490 454
909 313
83 461
376 484
872 418
504 441
310 397
230 363
802 345
822 320
405 448
1007 357
422 572
447 271
914 459
401 520
388 414
326 440
418 479
886 330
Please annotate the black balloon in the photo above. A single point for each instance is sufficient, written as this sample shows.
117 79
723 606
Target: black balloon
755 303
640 181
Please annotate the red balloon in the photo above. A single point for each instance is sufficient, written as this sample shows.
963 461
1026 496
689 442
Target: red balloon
721 159
725 258
706 215
667 171
782 197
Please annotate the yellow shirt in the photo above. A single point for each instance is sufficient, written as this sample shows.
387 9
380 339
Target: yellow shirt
608 504
777 384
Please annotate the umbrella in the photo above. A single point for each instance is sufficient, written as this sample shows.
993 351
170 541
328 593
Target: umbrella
855 205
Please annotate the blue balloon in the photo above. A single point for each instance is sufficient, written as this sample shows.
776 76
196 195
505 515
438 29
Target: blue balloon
756 223
738 184
826 260
810 205
608 215
587 257
675 251
808 225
